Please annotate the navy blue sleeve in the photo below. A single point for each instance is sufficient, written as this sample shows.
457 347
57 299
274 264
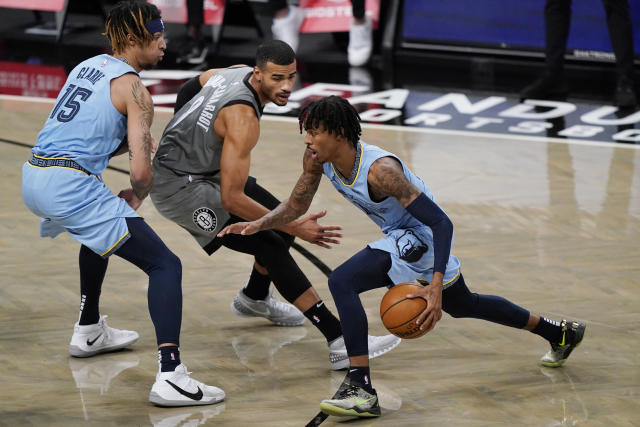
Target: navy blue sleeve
429 213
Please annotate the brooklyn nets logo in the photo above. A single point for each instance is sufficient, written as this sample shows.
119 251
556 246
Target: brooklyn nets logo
205 218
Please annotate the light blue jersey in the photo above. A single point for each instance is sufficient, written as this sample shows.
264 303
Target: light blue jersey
407 240
63 185
84 126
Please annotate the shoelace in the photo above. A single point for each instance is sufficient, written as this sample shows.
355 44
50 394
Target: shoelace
193 383
106 330
279 304
352 390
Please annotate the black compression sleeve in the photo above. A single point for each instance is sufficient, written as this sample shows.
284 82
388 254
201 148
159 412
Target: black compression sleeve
429 213
187 91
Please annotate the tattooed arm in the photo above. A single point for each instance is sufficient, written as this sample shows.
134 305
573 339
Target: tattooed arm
132 99
295 206
386 178
139 119
300 199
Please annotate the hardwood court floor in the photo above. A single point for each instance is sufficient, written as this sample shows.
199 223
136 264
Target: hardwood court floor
552 226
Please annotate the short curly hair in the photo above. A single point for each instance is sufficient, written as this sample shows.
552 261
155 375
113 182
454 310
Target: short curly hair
335 114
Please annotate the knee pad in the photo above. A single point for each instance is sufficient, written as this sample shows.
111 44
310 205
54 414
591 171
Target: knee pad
272 247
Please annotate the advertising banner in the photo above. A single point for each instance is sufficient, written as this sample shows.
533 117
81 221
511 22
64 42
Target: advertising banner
17 78
328 16
48 5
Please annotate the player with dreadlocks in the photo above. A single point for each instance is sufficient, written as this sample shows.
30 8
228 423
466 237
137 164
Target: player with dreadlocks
416 246
103 110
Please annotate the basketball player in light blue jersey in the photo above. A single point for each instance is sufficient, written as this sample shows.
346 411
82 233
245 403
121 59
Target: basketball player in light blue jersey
416 246
102 110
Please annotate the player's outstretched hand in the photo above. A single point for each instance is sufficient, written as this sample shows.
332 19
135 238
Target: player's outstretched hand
244 228
131 198
308 229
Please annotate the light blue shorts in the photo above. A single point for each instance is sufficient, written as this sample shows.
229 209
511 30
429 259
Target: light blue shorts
411 251
80 204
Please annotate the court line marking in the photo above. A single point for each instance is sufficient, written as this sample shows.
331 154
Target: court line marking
475 134
399 128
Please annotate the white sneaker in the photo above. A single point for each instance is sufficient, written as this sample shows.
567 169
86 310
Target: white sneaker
89 340
287 29
377 347
177 388
280 313
360 43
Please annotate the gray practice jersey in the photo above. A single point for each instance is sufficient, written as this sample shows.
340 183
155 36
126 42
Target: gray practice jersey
189 145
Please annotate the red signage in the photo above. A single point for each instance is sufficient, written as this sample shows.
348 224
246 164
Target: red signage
328 16
49 5
322 16
17 78
213 12
176 11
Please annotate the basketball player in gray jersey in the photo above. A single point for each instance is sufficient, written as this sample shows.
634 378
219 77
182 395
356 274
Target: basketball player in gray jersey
202 183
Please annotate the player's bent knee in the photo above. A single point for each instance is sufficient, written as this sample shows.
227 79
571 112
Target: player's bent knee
339 281
170 263
275 242
272 249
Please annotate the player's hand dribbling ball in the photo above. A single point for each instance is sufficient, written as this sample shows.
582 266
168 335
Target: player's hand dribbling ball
399 313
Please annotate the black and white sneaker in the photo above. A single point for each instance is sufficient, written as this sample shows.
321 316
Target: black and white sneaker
89 340
177 388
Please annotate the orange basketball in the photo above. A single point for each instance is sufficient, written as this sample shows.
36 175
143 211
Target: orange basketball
399 313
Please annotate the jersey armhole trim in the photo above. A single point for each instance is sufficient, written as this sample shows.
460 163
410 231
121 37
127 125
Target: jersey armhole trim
244 102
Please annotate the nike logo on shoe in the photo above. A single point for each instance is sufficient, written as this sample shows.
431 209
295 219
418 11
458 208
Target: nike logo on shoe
193 396
90 342
360 402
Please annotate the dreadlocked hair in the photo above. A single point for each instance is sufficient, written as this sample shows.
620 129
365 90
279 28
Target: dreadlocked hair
129 17
335 114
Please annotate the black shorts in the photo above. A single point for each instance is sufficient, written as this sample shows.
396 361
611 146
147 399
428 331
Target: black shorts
260 195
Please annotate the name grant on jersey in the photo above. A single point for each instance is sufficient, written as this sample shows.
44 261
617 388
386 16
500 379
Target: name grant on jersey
204 120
